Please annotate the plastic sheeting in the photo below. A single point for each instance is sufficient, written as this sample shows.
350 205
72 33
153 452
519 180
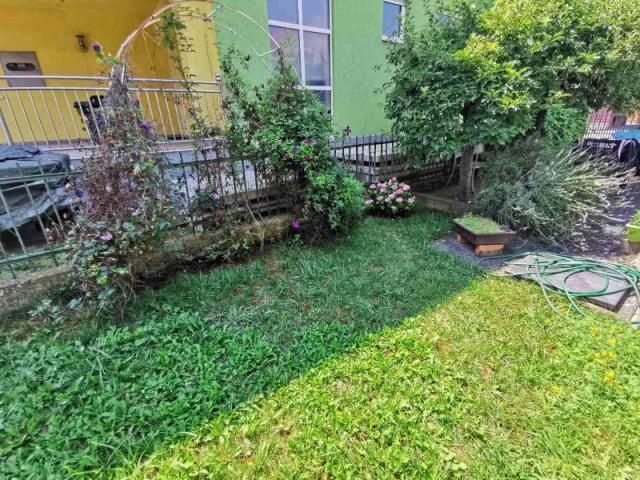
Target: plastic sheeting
25 199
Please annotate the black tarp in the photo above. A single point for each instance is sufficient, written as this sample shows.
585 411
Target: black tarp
26 198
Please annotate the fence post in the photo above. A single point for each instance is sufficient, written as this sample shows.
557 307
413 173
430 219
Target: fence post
5 128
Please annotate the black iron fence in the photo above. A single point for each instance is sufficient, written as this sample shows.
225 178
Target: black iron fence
37 197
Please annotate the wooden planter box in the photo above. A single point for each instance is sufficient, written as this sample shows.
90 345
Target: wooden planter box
485 244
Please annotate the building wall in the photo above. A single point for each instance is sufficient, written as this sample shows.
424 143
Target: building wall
359 55
360 66
49 28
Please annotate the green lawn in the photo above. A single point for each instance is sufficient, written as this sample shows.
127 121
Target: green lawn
376 357
490 385
206 343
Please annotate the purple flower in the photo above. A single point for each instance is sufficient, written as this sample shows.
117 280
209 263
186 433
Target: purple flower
308 141
144 126
296 150
107 237
295 224
96 47
216 196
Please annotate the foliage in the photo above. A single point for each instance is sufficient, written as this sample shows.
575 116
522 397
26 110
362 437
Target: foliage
482 72
90 401
125 210
285 131
334 198
580 52
564 127
390 198
452 88
548 194
492 384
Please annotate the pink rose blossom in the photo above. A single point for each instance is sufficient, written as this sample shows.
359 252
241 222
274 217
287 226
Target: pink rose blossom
399 200
380 198
369 202
387 200
406 188
392 196
412 200
372 186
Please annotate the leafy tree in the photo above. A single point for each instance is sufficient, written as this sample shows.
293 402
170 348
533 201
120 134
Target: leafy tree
582 53
488 72
453 89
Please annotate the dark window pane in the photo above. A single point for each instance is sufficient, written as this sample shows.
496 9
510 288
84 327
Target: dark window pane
289 40
283 10
325 97
317 61
315 13
391 20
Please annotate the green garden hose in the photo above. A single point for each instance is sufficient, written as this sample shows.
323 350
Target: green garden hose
541 267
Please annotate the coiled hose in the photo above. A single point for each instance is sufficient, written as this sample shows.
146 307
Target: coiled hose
541 267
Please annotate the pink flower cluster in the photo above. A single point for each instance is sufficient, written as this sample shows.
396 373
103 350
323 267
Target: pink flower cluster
390 197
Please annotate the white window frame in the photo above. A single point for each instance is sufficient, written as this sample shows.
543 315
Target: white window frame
300 28
403 8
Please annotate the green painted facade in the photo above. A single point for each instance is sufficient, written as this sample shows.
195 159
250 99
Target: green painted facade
358 54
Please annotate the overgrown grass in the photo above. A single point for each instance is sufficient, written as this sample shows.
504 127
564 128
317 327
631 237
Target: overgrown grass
207 343
493 384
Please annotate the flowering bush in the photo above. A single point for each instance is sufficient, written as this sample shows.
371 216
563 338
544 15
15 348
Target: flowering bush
286 132
390 198
126 205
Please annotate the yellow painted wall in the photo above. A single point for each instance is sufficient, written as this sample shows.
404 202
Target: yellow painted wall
49 27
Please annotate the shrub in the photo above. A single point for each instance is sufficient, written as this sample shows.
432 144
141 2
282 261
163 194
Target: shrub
390 198
126 206
565 126
548 194
285 129
335 200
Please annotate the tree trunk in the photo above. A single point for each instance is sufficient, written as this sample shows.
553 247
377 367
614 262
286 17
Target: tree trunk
466 173
540 121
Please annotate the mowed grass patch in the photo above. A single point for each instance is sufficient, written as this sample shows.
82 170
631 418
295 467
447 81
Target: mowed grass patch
492 384
206 343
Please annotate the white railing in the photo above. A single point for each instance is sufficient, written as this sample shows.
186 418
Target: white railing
66 113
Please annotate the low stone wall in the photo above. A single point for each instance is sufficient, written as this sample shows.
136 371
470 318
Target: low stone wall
28 289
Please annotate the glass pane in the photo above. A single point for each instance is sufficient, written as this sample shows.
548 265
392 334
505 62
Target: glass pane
289 40
391 20
325 97
316 59
315 13
283 10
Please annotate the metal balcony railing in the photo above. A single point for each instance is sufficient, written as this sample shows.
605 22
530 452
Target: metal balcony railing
66 113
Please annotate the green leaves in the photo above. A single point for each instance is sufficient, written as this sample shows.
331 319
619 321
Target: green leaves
453 87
